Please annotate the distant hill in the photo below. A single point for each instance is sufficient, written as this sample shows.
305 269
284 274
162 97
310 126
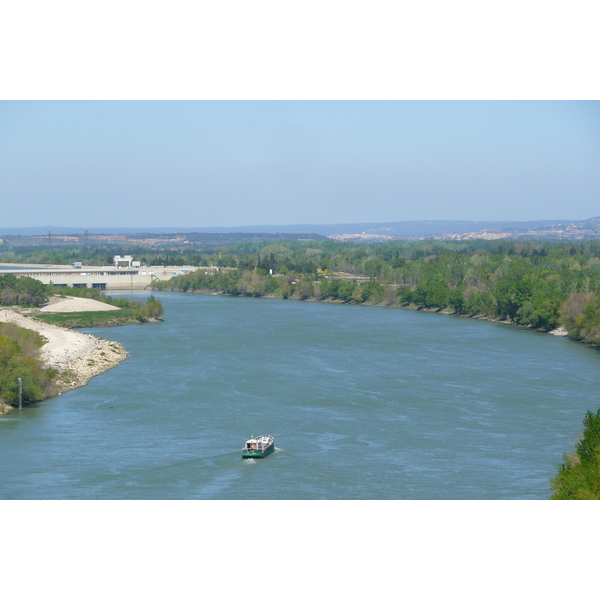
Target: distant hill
414 228
398 229
62 239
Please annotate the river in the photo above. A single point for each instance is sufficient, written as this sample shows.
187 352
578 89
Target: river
364 403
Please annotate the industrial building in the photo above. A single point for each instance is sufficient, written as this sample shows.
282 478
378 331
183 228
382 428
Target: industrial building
132 277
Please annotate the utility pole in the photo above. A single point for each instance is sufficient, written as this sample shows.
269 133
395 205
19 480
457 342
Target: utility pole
20 394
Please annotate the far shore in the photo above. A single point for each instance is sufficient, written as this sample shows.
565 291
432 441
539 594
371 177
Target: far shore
559 331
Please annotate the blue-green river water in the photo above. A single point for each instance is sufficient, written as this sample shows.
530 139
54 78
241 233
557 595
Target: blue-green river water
364 403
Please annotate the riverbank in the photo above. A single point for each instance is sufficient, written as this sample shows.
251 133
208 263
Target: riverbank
99 311
560 331
76 356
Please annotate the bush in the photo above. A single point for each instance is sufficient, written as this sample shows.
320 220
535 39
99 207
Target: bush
19 351
154 308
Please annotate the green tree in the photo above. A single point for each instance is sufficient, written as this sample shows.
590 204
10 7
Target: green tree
578 476
24 291
456 299
154 308
374 267
16 363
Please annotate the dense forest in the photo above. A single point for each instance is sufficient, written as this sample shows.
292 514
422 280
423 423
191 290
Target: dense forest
541 284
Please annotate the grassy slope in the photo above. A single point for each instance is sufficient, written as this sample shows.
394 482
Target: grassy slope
99 318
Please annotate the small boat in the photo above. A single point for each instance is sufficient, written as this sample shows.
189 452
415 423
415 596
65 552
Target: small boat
258 447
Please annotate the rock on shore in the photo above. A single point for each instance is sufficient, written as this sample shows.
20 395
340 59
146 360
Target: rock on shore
76 356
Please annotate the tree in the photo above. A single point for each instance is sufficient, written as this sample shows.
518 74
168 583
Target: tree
24 291
374 267
305 290
389 295
456 299
154 308
432 294
578 476
17 361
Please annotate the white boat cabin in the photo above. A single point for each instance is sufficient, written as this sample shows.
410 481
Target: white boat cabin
258 443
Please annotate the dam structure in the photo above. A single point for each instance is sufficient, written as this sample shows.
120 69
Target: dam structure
117 277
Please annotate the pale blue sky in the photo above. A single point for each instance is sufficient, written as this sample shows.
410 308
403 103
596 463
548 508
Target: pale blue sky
210 163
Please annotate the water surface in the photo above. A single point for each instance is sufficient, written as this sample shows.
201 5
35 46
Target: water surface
364 403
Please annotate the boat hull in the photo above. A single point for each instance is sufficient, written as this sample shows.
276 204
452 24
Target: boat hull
258 453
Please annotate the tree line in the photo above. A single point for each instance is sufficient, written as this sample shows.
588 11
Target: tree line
540 284
537 284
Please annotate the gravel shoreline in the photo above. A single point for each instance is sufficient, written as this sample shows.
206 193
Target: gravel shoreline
76 356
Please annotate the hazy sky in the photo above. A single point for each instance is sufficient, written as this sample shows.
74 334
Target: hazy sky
209 163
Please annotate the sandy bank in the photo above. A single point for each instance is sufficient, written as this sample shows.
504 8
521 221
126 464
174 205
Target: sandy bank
56 304
76 356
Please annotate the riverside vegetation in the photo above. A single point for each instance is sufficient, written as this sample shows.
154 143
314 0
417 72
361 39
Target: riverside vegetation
28 292
131 311
578 476
20 347
541 285
20 358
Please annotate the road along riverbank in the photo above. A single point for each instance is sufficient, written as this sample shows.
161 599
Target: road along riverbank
76 356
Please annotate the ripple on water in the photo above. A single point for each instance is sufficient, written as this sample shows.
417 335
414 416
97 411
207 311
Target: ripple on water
367 402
